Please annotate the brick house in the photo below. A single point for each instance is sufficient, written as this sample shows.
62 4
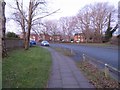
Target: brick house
33 36
79 37
37 37
66 38
56 38
21 35
45 37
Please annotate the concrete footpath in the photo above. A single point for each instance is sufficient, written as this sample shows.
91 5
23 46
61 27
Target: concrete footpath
65 74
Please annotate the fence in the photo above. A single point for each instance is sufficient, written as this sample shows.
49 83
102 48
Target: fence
13 43
108 70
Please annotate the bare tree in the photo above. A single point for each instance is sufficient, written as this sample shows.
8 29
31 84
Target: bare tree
84 20
110 30
100 17
52 28
45 27
68 25
17 17
35 8
93 19
40 28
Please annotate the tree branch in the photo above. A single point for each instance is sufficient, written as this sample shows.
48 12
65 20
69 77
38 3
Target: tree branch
20 11
46 15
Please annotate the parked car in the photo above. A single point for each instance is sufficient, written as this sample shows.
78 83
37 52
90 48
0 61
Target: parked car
32 42
45 43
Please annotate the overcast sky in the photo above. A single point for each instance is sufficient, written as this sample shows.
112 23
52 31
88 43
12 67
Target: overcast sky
67 8
71 7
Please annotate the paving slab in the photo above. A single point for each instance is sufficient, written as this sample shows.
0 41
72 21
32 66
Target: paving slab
65 74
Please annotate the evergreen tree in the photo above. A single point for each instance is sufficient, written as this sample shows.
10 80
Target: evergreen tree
109 33
12 35
110 30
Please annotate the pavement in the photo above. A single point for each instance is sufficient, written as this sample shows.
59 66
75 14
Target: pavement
65 74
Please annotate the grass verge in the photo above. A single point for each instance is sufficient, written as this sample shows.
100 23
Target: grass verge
26 69
66 52
99 44
97 77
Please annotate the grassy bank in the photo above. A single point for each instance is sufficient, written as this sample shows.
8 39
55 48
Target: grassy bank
66 52
26 69
99 44
97 77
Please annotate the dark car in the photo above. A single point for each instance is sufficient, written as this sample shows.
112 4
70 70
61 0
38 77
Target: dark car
45 43
32 42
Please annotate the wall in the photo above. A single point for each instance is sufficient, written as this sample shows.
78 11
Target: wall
13 43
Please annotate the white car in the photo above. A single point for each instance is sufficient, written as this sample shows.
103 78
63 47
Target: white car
45 43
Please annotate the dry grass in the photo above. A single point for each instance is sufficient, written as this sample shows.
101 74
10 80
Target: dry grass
66 52
97 77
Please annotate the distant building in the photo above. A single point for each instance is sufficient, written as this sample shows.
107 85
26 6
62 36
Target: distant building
56 38
66 38
41 37
21 35
45 37
79 37
37 37
34 37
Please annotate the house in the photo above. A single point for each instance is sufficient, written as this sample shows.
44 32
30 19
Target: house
34 37
56 38
37 37
66 38
79 37
45 37
21 35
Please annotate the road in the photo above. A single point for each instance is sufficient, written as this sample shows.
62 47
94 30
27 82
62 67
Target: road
104 54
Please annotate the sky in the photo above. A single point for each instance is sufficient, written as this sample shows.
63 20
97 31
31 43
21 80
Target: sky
71 7
67 8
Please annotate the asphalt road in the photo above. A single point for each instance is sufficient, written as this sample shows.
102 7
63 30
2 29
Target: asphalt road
107 55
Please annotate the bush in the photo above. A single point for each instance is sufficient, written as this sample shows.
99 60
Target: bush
12 35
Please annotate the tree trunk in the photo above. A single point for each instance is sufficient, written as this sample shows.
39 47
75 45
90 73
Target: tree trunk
3 21
24 33
26 45
29 25
23 26
4 50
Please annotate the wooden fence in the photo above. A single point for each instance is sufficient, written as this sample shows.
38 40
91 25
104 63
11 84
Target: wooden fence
13 43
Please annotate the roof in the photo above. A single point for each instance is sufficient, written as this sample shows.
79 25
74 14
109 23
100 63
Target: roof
78 34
